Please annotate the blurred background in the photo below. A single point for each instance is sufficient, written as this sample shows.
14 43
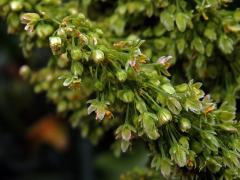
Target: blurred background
37 144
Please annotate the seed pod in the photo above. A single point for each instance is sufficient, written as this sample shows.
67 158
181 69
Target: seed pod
121 75
77 68
213 165
164 116
184 124
97 56
55 44
149 127
126 95
44 30
76 53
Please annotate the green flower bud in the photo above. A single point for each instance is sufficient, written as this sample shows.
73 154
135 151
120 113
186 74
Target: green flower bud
141 106
55 44
25 71
149 127
184 142
76 53
126 96
121 75
30 18
174 105
184 124
77 68
44 30
196 147
178 154
16 5
99 86
164 116
166 167
182 88
168 88
213 165
125 145
97 56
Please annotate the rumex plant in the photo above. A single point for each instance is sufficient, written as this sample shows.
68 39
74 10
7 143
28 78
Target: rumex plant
101 81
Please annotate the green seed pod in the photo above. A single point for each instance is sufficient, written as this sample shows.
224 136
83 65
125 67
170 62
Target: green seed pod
16 5
121 75
55 44
128 96
77 68
213 165
164 116
44 30
184 124
182 88
76 53
97 56
25 71
168 88
196 147
141 106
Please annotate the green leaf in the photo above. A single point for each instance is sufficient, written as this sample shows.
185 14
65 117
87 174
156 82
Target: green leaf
210 33
181 43
198 45
181 21
167 20
225 44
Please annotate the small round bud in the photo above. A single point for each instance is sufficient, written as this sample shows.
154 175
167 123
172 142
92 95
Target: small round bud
55 44
16 5
184 124
164 116
196 147
25 71
127 96
76 54
97 56
99 85
77 68
121 75
182 88
44 30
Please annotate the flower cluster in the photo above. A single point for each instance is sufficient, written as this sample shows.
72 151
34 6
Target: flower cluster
101 84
